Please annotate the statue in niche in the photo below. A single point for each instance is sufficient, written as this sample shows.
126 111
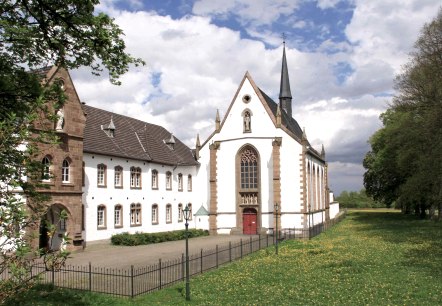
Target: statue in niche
60 120
247 122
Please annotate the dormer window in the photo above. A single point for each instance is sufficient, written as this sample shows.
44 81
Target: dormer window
109 129
170 142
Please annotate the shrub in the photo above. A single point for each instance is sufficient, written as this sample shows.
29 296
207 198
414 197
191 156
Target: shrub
149 238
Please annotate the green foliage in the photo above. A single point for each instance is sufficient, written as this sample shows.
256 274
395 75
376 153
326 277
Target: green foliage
149 238
377 257
36 34
404 165
354 199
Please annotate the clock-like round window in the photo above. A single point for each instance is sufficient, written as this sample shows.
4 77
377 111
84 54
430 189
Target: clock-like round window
246 98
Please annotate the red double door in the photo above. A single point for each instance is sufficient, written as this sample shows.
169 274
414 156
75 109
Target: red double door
249 221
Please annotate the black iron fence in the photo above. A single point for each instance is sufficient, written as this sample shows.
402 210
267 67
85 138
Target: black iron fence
138 280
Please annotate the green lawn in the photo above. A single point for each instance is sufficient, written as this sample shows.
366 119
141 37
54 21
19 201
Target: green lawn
376 257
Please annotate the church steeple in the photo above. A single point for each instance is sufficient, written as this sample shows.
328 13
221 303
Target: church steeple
285 95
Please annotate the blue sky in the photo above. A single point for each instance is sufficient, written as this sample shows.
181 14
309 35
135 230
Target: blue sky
342 56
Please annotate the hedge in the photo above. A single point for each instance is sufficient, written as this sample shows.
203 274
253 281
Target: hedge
149 238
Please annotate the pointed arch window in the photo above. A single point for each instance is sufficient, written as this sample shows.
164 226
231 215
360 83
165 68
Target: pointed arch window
65 169
46 172
249 169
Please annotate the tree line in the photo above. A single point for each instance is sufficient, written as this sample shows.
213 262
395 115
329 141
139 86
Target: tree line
404 165
357 199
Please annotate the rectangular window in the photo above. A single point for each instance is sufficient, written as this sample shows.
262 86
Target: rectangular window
189 183
101 175
180 182
154 179
118 177
168 180
117 216
135 177
101 216
168 213
180 212
135 214
155 214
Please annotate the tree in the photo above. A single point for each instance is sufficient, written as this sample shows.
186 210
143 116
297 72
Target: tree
404 165
355 199
34 34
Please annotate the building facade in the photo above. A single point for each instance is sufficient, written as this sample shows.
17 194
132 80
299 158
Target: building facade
115 174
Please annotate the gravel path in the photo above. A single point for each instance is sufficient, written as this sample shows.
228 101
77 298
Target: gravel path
103 254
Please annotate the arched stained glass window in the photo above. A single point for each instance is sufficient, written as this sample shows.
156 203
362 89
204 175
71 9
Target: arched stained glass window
249 169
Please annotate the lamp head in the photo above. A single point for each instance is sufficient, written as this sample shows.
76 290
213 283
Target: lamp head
186 213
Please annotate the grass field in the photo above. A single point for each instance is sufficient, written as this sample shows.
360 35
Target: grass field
373 257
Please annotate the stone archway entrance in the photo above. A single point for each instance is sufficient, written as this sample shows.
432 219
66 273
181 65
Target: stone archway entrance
250 221
53 228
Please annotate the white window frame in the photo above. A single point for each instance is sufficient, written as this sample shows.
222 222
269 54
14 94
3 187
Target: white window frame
65 167
168 213
118 177
101 216
118 215
155 214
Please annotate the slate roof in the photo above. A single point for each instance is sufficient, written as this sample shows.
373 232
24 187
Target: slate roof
289 122
132 139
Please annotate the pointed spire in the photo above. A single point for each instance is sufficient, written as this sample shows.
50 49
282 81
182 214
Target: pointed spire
198 144
197 147
217 122
322 152
285 95
304 135
278 116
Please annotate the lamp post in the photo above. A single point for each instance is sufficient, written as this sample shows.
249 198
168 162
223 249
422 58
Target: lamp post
187 213
276 226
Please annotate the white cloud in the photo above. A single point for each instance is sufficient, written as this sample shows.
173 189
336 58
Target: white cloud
194 68
254 12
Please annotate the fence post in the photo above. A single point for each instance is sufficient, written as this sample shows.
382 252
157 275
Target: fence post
201 261
259 242
53 276
241 247
217 256
132 281
90 276
182 267
159 262
251 245
230 251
